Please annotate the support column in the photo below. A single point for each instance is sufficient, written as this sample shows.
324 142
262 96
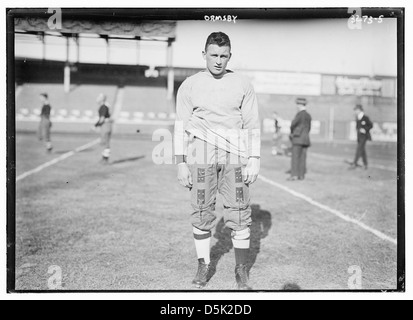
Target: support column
77 48
67 49
107 50
171 79
66 81
43 46
67 78
138 49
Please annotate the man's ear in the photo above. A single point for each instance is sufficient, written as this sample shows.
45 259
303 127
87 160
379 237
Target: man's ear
204 55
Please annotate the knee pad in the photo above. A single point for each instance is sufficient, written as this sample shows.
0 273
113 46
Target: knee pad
241 235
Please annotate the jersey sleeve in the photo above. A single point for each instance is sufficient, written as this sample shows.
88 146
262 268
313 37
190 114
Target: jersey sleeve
369 124
184 109
46 110
104 112
251 121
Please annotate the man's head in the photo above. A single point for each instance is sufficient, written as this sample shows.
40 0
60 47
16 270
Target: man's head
358 109
217 53
44 97
301 103
101 99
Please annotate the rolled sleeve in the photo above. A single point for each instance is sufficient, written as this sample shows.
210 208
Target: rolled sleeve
184 111
251 122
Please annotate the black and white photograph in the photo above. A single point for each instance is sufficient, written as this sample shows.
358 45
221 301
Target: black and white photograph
196 150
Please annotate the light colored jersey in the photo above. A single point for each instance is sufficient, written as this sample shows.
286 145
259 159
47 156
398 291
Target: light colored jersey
223 112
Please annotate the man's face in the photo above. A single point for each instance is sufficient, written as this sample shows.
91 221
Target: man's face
300 107
357 112
217 59
43 99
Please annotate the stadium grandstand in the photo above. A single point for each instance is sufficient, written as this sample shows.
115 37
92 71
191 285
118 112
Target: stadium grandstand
143 94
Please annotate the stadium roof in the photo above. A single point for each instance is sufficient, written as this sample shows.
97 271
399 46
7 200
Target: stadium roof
103 25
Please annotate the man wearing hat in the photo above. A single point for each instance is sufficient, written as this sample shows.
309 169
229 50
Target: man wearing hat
364 125
300 139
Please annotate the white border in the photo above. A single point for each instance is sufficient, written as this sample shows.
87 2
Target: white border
209 296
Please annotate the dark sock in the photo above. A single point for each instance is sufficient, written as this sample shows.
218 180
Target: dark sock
241 256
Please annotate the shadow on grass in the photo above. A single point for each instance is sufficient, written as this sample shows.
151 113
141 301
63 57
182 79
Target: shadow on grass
261 224
60 151
127 160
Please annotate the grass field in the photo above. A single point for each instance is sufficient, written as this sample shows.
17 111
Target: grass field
125 226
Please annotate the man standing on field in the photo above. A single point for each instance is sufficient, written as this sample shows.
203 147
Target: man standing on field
105 124
300 140
217 148
364 125
45 123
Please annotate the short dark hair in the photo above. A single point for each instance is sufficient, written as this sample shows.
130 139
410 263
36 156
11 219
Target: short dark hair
219 38
44 94
358 107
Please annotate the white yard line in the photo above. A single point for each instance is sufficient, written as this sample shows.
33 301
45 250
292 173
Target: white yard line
337 213
57 160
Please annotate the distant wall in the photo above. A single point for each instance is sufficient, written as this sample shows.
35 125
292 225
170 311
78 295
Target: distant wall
331 97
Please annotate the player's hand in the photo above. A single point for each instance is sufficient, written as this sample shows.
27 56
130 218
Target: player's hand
362 130
184 175
93 128
251 171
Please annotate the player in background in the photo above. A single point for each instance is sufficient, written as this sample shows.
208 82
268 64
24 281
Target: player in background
364 125
277 136
300 139
217 117
45 123
105 124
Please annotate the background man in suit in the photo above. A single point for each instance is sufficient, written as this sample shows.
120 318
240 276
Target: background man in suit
364 125
300 139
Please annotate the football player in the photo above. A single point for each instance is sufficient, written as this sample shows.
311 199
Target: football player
217 148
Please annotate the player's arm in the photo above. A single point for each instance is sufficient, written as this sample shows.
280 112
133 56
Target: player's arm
369 124
101 120
251 119
297 126
43 112
184 111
